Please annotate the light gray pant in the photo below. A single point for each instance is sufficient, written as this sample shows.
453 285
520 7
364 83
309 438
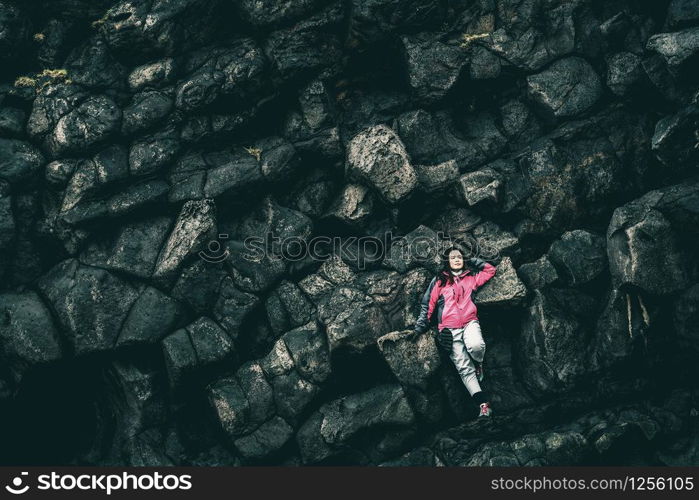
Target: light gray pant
468 340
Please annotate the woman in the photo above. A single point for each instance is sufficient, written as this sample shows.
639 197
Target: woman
457 322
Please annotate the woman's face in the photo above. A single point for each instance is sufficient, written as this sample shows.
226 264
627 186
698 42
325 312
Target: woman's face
456 260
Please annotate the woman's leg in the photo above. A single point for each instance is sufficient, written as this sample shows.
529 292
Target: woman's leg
475 345
462 361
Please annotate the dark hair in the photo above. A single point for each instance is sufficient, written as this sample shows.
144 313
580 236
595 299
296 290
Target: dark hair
444 275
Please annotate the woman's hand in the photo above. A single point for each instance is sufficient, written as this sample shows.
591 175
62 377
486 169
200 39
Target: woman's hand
477 263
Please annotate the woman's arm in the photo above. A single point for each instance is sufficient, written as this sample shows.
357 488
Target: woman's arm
422 322
486 271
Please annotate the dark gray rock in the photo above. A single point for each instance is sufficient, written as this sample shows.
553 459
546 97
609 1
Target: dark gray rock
480 185
19 161
433 178
338 421
14 32
195 226
7 221
567 88
180 358
624 70
551 347
562 183
141 30
235 72
91 65
421 247
309 47
232 306
538 274
12 121
211 344
152 316
579 256
681 13
272 13
685 315
624 321
267 438
153 153
59 172
155 74
28 336
378 157
198 284
413 362
135 249
354 205
677 49
95 121
313 129
526 46
433 67
288 308
308 348
146 110
643 249
503 289
674 139
279 161
232 175
375 20
91 304
352 319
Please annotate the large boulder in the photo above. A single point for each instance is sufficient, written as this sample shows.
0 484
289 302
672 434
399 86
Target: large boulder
623 322
94 122
551 347
525 45
14 32
503 289
334 425
377 156
415 364
195 225
433 67
674 138
579 256
235 72
644 248
309 47
28 336
677 49
140 30
685 316
151 317
232 306
567 88
19 161
90 304
538 274
352 319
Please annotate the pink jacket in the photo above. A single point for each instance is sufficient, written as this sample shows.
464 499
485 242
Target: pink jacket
458 308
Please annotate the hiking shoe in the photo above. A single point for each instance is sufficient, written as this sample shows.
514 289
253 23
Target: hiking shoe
485 410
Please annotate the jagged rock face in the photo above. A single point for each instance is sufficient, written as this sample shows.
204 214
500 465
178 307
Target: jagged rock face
218 220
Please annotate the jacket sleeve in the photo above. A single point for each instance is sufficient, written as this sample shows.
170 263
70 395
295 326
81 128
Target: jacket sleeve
485 274
422 322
